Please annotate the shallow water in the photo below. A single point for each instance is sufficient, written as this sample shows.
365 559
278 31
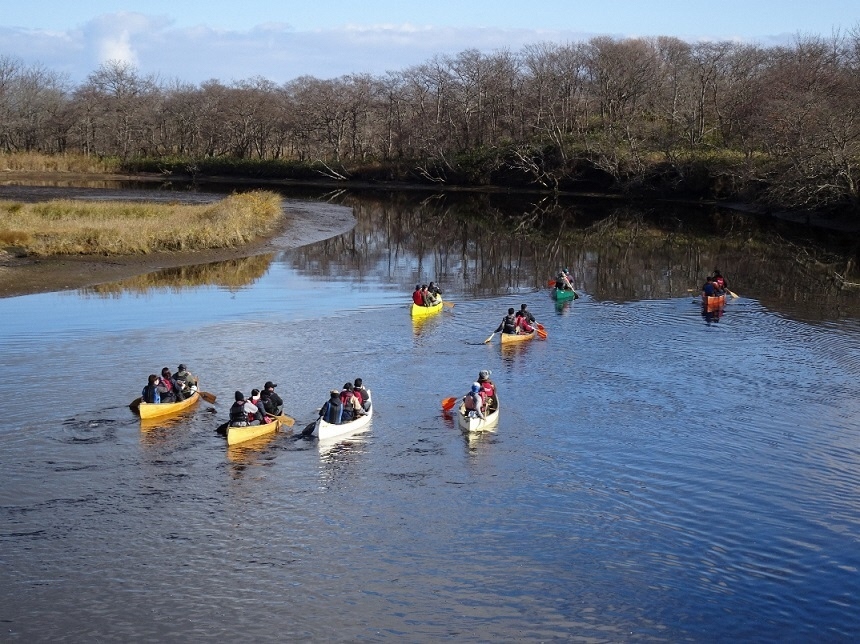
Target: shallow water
654 475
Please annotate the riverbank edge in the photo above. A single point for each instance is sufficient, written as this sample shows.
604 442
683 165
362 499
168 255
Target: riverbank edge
27 275
302 223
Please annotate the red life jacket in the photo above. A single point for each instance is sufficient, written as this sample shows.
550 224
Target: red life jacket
418 297
344 399
359 397
487 389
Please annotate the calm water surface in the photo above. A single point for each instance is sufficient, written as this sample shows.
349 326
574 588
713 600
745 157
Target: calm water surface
654 476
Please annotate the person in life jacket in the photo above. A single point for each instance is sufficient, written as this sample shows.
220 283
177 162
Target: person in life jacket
418 296
243 412
352 408
260 413
332 410
523 323
186 381
509 323
173 388
358 386
720 283
488 390
708 289
474 402
150 393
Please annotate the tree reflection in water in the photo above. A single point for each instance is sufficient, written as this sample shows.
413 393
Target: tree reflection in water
480 245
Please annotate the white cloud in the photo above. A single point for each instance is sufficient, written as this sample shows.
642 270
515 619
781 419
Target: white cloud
276 51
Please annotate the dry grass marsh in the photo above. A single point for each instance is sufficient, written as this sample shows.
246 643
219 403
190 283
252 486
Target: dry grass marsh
72 227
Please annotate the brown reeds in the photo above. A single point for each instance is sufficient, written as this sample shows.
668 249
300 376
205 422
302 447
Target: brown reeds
71 227
69 163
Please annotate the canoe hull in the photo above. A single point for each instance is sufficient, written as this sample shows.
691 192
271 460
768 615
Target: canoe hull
511 338
241 434
713 302
562 295
425 311
477 424
324 430
160 410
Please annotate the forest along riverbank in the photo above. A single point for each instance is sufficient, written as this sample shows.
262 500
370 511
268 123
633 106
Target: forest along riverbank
303 223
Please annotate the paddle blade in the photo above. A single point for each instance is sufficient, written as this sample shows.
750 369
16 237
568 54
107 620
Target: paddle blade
488 340
134 405
210 398
733 294
286 420
550 282
450 305
541 334
448 403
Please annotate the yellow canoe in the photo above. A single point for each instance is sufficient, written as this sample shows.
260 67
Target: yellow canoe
424 311
508 338
242 434
159 410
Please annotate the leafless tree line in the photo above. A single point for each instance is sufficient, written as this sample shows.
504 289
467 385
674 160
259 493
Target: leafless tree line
777 121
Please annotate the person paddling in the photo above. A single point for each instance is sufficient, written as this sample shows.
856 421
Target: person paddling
508 324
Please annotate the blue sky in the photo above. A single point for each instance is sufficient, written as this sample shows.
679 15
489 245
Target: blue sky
193 40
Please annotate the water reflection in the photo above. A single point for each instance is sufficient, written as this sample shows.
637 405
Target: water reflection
231 274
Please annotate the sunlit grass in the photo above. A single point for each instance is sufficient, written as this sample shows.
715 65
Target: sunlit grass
36 162
71 227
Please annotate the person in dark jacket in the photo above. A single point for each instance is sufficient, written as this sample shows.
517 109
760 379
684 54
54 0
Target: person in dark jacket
509 323
358 386
332 410
171 385
271 401
150 393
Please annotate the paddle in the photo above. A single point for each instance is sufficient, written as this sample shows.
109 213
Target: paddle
550 282
448 403
205 395
450 305
541 331
733 294
567 281
284 419
488 340
134 405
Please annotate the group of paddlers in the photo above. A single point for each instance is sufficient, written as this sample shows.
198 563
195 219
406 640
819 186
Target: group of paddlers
427 294
715 285
481 399
169 387
517 322
347 404
260 408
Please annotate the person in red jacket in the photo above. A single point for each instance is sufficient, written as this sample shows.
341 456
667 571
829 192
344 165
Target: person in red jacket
418 296
488 390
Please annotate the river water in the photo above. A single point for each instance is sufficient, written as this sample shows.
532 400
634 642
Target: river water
656 475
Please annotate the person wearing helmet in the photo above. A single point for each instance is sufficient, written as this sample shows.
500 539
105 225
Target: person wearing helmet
474 402
488 390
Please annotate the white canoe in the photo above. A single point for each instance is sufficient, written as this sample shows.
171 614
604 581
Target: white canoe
477 424
324 430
